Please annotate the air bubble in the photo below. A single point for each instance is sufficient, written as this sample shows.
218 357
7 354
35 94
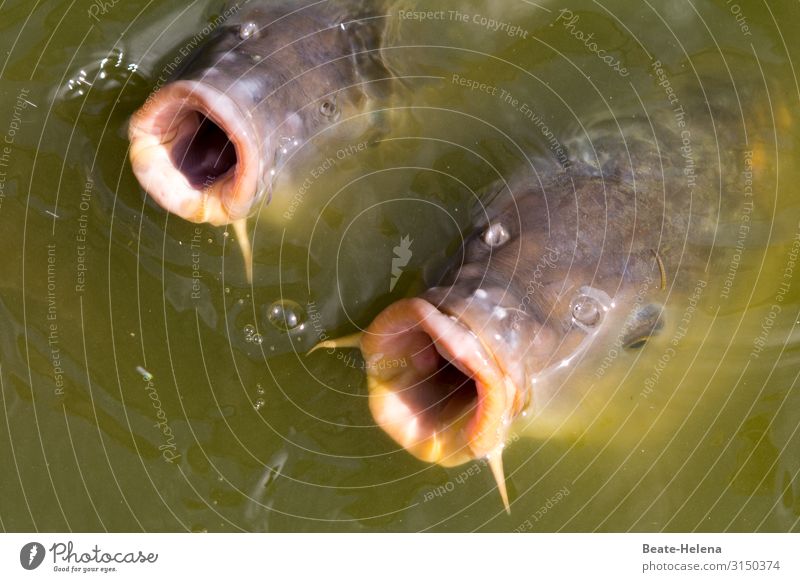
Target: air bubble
286 315
248 30
587 310
259 404
251 335
146 376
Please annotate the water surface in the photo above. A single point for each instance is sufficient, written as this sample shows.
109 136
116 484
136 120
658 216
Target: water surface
146 386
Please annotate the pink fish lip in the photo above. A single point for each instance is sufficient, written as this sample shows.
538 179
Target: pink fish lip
440 393
178 127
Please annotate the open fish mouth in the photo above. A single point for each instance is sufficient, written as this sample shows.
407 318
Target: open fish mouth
434 387
196 153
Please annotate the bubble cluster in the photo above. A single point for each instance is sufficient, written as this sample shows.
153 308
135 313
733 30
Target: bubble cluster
108 73
251 335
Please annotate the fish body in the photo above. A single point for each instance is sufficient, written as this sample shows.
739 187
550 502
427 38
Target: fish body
207 145
564 267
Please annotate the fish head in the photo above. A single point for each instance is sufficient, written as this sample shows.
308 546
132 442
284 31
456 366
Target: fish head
207 144
450 371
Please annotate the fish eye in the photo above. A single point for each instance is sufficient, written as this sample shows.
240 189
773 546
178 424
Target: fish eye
637 343
642 326
496 235
587 311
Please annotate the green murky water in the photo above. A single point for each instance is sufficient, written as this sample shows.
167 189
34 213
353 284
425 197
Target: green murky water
147 386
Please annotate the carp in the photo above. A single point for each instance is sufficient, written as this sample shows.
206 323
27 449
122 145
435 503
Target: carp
562 267
208 144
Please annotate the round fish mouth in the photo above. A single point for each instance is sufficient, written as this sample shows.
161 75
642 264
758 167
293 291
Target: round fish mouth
195 153
433 386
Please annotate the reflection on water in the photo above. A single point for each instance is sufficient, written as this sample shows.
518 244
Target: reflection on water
147 386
